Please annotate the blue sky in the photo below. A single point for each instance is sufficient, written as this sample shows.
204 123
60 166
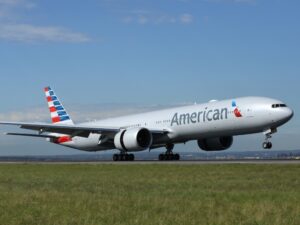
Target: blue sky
137 53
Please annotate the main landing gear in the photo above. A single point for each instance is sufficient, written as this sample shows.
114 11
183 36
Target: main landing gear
267 144
169 155
123 157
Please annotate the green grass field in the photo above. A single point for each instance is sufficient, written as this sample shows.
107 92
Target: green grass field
149 194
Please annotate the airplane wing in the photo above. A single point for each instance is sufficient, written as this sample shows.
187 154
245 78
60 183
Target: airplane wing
71 130
31 135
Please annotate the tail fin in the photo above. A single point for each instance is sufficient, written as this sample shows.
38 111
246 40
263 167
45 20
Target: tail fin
58 112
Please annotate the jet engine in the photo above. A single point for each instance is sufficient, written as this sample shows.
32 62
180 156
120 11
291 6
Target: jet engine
133 139
215 144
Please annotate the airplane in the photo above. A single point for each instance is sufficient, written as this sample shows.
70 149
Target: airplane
213 125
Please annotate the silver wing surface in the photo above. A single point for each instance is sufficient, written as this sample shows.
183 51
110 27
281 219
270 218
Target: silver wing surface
72 130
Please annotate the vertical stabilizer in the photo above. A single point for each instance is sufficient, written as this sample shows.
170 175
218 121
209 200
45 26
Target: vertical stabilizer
58 112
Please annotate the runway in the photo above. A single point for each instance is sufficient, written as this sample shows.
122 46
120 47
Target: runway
183 162
207 162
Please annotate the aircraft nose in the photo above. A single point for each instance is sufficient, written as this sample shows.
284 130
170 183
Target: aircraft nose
289 113
281 114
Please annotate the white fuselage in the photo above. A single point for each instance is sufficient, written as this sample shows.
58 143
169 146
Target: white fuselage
209 120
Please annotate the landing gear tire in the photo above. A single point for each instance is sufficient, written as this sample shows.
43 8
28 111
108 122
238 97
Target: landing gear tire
131 157
123 157
169 157
161 157
177 157
115 157
267 145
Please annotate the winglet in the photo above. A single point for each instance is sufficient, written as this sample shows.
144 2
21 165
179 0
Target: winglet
58 112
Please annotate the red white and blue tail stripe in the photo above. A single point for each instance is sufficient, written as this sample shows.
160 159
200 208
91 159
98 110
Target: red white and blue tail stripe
58 112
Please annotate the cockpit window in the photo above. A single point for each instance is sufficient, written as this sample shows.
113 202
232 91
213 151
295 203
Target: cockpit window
279 105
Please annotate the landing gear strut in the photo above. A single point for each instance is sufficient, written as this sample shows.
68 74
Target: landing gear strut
169 155
123 157
267 144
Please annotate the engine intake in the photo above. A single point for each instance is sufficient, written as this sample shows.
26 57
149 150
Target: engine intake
215 144
134 139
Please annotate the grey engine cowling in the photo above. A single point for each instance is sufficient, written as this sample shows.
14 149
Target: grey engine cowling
215 144
133 139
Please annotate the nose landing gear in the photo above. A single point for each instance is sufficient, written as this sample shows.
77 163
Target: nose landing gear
267 144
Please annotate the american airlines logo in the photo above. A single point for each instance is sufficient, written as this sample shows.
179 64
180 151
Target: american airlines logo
236 111
200 117
203 116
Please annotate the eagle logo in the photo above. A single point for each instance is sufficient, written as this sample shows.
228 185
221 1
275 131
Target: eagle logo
236 111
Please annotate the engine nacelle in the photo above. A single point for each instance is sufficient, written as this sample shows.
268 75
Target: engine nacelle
215 144
133 139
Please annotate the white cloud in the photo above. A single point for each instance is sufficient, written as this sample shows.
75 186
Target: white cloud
143 17
232 1
13 29
127 19
244 1
11 2
31 33
36 114
17 3
186 18
80 113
